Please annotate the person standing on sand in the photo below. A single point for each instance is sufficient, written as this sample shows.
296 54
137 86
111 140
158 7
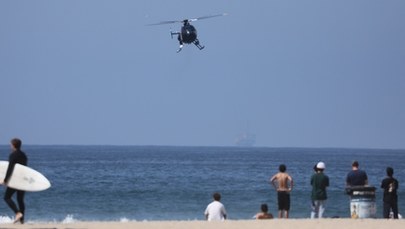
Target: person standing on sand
390 199
356 177
319 182
16 157
215 211
283 184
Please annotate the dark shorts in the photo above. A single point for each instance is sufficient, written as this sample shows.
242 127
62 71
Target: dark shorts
283 201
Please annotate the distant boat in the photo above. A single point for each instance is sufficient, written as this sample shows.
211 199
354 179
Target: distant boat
245 140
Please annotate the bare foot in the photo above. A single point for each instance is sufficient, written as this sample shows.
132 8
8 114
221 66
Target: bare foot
18 217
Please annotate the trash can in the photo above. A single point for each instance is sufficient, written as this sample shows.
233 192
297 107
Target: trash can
362 202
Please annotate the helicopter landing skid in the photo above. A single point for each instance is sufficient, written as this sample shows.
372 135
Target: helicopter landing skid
197 43
180 48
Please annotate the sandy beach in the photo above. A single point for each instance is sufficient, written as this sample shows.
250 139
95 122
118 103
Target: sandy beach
234 224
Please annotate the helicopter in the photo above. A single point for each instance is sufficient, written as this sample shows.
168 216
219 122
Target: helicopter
187 33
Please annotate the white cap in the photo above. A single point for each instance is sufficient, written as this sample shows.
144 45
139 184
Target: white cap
320 165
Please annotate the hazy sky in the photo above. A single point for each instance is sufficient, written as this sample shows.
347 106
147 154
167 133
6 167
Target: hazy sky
296 73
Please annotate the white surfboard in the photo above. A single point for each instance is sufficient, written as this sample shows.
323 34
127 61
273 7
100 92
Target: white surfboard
24 178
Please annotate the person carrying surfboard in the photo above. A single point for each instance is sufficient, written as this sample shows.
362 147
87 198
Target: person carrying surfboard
16 157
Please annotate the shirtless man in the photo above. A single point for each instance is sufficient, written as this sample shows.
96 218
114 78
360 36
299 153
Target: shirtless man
283 183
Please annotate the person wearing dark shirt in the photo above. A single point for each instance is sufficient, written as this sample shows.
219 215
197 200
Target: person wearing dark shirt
390 199
356 177
319 182
16 157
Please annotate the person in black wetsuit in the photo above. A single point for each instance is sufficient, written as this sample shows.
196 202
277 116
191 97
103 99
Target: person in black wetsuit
16 157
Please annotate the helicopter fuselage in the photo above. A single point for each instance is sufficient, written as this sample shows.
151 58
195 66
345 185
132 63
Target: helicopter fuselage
188 34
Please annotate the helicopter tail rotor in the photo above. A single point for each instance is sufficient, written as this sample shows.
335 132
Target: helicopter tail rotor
172 33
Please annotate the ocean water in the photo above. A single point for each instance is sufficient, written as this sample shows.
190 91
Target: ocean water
120 183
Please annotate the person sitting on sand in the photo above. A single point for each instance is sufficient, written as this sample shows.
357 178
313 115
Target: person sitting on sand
215 211
264 213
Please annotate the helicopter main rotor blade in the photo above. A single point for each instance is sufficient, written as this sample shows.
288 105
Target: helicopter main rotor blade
209 16
165 22
187 20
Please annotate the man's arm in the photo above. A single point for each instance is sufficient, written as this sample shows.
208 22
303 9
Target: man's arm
348 183
366 179
291 183
224 212
273 181
383 184
10 168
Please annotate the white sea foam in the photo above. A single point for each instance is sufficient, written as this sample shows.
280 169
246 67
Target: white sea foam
5 219
124 220
69 219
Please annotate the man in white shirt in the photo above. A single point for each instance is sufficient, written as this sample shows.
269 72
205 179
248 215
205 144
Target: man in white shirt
215 211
